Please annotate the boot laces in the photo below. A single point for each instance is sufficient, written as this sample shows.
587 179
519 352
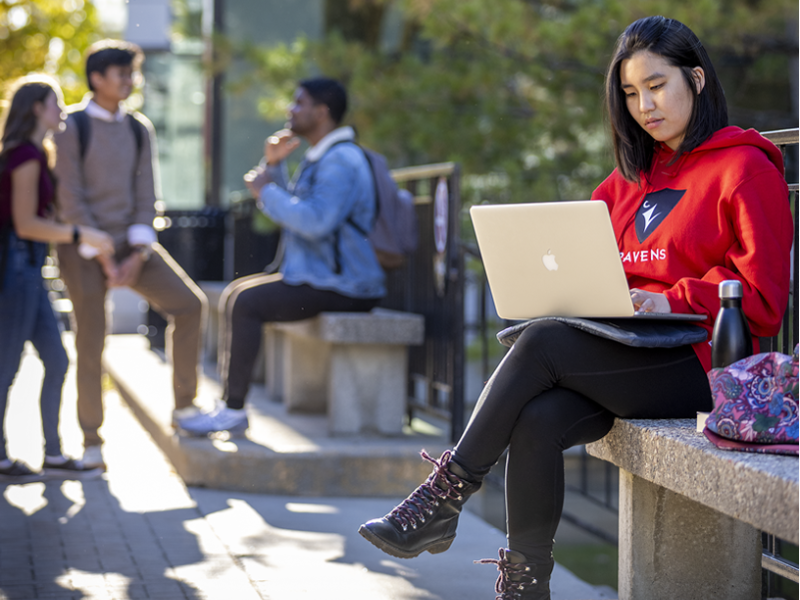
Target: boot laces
514 578
440 485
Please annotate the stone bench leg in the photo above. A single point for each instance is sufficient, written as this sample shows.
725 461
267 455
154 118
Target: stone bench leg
672 547
272 344
297 370
367 389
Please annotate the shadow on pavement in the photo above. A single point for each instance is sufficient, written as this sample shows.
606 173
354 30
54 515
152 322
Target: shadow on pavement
71 539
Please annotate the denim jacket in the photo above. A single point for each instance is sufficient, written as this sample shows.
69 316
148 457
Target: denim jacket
324 212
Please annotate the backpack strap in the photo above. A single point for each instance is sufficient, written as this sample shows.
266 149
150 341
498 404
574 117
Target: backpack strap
337 253
349 218
138 132
375 192
84 128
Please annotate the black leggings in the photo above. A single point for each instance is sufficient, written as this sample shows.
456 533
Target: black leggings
559 387
251 301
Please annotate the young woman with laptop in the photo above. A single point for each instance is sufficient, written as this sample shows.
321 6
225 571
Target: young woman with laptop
704 202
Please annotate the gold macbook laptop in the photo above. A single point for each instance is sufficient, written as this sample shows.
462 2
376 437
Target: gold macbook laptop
555 259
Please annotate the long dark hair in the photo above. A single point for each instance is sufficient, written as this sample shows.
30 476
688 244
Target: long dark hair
679 46
19 119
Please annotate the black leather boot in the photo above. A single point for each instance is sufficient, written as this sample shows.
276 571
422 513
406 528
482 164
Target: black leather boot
520 579
427 519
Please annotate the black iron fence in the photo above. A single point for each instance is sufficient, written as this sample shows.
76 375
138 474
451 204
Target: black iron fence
776 568
431 284
787 141
196 240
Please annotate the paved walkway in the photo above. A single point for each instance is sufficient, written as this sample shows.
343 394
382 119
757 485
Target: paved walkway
140 533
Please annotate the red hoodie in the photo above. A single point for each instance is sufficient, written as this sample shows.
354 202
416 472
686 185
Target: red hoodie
719 212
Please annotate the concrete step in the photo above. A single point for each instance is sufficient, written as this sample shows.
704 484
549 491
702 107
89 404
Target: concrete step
290 454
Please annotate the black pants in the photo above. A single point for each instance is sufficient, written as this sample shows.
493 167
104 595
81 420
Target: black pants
251 301
559 387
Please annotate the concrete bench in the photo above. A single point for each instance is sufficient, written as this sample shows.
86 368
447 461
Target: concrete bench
690 514
352 365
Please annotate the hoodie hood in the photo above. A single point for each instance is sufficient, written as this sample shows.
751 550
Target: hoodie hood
727 137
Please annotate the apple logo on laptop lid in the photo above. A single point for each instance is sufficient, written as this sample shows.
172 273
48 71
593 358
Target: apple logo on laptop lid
549 261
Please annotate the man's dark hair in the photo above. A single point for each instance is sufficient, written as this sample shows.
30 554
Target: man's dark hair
679 46
106 53
329 92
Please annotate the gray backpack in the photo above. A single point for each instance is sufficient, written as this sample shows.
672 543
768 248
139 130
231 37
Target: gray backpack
395 232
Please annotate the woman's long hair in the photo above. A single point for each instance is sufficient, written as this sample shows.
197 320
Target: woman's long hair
679 46
19 119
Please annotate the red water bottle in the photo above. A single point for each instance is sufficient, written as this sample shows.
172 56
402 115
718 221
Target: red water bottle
730 340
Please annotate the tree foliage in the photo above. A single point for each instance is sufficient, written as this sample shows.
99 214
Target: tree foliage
47 36
512 89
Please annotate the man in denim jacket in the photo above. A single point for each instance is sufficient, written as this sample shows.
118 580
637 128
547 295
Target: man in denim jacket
328 263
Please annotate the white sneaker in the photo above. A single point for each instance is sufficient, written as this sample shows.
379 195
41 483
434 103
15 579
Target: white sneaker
93 458
220 418
61 467
182 414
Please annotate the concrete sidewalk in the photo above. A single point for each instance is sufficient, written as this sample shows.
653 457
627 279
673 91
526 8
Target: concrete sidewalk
140 533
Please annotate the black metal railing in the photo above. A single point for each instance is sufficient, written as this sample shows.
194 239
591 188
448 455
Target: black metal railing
775 566
787 141
431 284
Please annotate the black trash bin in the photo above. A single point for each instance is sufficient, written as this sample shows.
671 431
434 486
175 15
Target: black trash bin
255 239
196 240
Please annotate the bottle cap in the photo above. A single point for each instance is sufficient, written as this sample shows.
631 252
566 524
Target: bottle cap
730 288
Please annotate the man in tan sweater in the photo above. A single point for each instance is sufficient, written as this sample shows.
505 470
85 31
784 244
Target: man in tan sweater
107 172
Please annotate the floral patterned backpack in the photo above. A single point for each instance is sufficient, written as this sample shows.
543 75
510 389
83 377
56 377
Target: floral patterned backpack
755 404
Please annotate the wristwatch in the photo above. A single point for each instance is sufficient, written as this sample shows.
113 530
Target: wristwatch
143 251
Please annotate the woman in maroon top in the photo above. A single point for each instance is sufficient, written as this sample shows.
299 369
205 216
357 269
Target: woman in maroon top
26 202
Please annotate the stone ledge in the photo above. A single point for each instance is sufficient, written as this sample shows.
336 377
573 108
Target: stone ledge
759 489
379 326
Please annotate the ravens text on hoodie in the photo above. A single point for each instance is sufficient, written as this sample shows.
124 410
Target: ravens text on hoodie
719 212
